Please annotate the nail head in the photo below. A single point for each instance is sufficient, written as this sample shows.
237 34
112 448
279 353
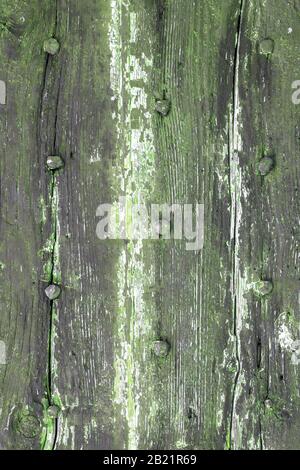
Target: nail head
54 162
268 403
161 348
163 107
51 46
266 46
53 291
265 165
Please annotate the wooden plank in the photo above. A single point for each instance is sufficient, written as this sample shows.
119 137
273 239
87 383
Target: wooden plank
155 101
77 82
198 44
267 392
118 298
24 309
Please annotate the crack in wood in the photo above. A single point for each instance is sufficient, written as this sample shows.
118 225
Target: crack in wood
234 193
51 316
52 429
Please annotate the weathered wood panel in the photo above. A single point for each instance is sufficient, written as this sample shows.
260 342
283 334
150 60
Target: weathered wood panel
267 393
80 371
24 310
195 301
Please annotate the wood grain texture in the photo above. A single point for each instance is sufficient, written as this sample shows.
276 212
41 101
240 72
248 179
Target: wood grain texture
267 397
230 380
24 309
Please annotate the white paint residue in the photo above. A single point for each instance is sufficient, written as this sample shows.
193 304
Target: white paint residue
285 338
240 281
295 359
2 92
2 353
287 332
134 177
96 155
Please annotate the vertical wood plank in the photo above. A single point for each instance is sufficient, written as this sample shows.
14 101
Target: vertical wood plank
145 291
267 396
196 305
81 372
83 317
24 315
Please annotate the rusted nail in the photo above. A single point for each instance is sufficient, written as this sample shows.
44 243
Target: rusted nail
163 107
266 46
161 348
53 291
53 411
2 92
51 46
54 162
268 403
27 424
266 165
262 288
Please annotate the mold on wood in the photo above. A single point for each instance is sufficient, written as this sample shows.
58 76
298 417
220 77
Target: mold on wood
142 344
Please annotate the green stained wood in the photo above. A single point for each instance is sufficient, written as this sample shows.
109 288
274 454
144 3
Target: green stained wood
267 397
149 346
24 310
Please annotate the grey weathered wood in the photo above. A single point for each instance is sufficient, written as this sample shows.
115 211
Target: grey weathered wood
24 315
267 392
173 294
149 345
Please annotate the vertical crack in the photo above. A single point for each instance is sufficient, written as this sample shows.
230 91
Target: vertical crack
54 236
51 422
235 191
